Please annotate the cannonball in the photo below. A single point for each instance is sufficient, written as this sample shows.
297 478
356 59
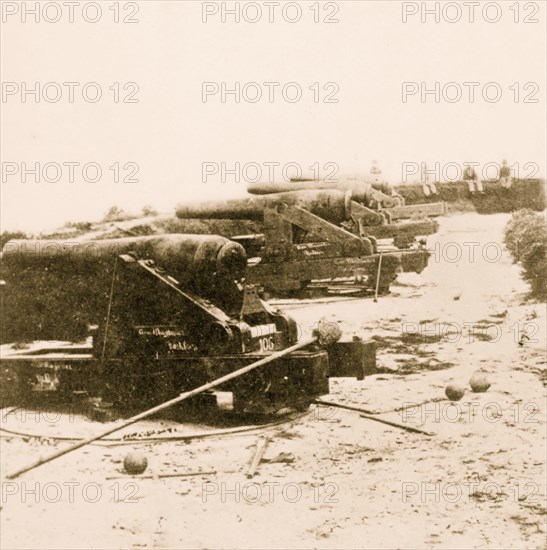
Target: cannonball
327 333
479 382
135 463
454 392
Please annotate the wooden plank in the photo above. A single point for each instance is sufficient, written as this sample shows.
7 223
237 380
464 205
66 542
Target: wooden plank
260 449
417 210
402 229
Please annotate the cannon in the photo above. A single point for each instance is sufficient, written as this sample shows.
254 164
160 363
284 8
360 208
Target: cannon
362 192
347 207
310 235
288 218
140 320
209 263
331 205
380 197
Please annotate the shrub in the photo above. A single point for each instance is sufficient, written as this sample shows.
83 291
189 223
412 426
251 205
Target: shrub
80 226
149 211
526 240
116 214
6 236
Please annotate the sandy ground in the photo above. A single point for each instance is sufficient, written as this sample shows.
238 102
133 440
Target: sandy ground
344 481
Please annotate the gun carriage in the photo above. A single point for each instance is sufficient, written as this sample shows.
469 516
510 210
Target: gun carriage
311 235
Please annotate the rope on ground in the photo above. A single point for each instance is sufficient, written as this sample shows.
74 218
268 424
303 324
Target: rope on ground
114 442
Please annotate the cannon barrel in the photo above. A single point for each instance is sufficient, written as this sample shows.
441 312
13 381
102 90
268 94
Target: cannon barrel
196 260
332 205
360 190
55 289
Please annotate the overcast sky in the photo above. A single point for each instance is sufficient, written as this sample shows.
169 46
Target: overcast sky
170 131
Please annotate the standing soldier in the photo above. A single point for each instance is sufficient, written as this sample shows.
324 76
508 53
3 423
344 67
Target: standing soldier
506 179
375 173
377 181
470 176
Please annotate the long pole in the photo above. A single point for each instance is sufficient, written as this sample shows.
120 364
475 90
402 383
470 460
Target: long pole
167 404
364 414
378 278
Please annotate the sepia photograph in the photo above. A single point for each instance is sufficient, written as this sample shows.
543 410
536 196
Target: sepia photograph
273 275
